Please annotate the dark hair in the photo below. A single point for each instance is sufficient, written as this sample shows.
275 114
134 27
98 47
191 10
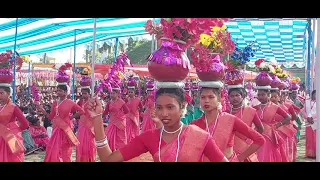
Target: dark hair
63 87
6 89
178 93
265 90
275 91
88 90
115 90
216 91
241 91
313 92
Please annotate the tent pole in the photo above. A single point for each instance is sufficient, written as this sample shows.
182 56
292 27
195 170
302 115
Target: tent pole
318 92
93 55
14 66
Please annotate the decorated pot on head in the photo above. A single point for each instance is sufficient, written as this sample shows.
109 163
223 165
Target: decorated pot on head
294 84
234 79
276 83
132 83
169 63
85 81
6 75
195 87
263 79
187 86
213 70
62 77
115 86
209 69
150 85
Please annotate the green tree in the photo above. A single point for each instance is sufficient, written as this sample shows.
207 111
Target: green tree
139 51
88 55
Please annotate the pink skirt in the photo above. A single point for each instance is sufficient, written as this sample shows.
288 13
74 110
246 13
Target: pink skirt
147 123
270 152
286 146
86 150
132 129
6 155
59 148
310 142
117 138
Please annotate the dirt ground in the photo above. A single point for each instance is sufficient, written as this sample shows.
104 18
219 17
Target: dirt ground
147 157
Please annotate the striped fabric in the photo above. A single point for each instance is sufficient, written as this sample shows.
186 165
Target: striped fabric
282 39
37 35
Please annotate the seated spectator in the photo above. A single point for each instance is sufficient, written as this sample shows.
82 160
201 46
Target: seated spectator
38 133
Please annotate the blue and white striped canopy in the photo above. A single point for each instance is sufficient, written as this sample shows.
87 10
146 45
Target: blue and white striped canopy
38 35
282 39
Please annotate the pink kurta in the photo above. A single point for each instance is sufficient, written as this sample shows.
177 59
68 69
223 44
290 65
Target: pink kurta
249 116
86 150
224 129
116 129
59 148
133 123
11 141
36 131
194 143
288 133
273 149
147 122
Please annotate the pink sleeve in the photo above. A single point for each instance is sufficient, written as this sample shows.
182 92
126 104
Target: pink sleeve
106 110
256 120
125 109
79 103
135 148
77 108
282 112
212 151
249 132
292 112
52 111
296 108
140 105
24 124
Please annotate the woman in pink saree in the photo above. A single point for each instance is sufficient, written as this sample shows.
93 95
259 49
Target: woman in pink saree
86 150
62 140
39 133
134 105
223 126
149 104
287 131
174 142
273 150
248 115
116 129
11 141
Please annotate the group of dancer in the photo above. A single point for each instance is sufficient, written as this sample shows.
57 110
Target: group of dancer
181 121
267 132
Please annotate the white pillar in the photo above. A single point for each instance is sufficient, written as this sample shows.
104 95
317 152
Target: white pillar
313 56
93 56
318 91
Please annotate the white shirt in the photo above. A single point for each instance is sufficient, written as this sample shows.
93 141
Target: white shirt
311 111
